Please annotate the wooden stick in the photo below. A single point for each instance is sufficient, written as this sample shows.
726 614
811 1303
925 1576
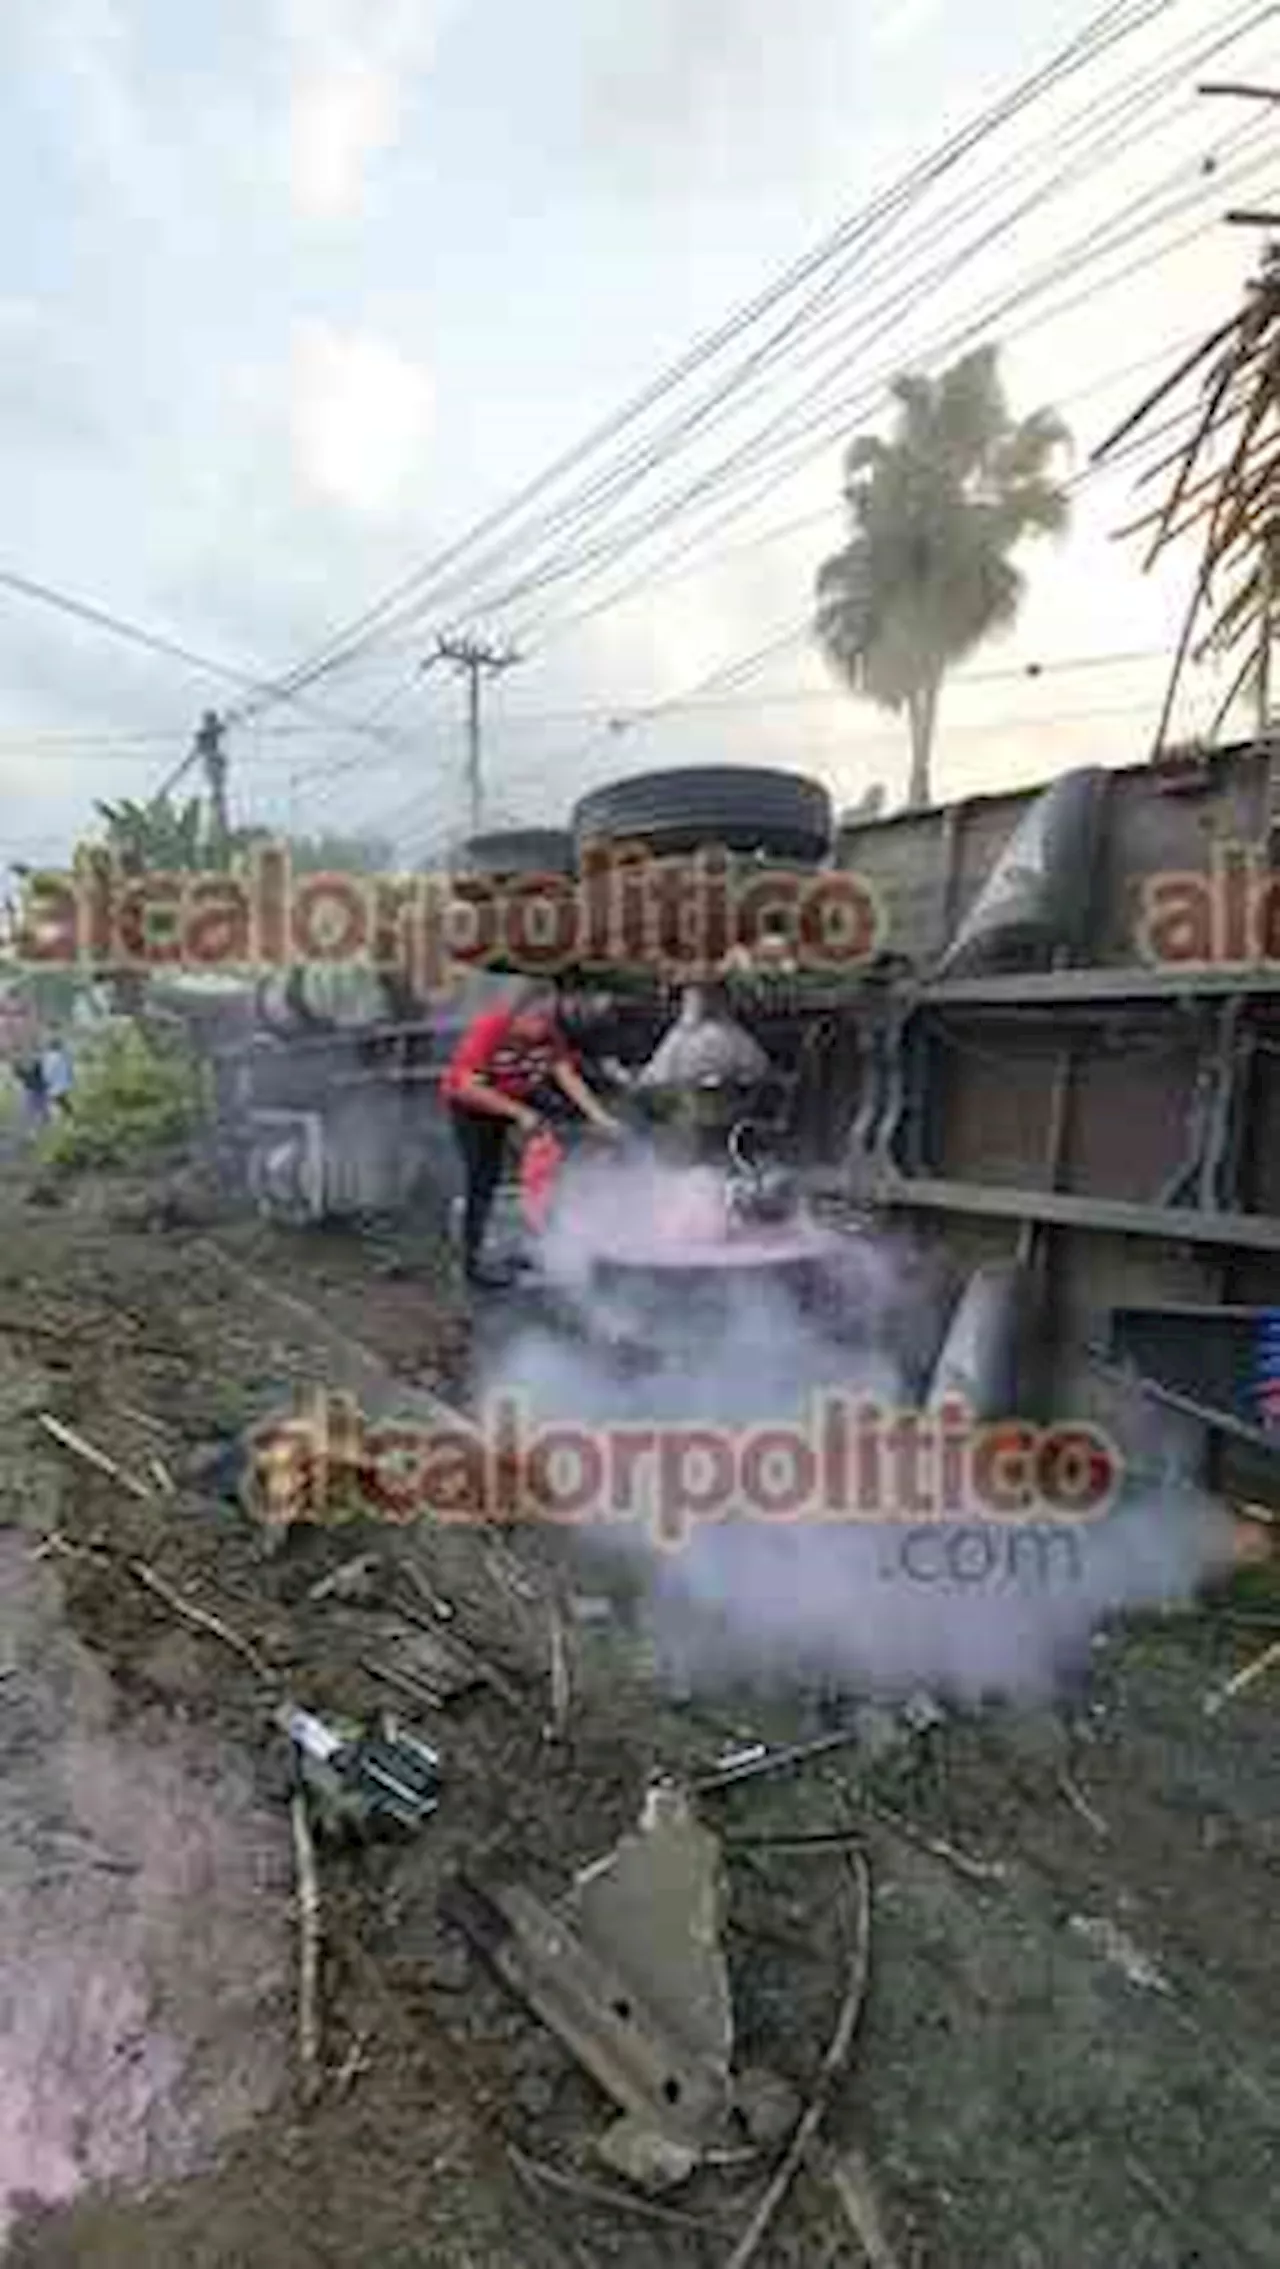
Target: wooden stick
977 1870
833 2066
605 2194
561 1686
1243 1679
1079 1802
70 1440
417 1690
200 1618
304 1855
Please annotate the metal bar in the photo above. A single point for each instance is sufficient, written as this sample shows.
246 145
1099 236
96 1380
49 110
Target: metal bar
1031 1238
1251 1232
1206 1413
1069 987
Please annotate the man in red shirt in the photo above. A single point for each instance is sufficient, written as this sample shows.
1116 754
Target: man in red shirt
509 1064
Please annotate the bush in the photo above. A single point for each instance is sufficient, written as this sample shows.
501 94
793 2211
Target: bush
132 1100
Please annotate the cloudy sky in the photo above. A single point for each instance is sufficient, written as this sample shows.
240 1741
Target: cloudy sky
295 291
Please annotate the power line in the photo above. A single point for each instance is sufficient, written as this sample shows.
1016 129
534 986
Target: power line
1114 24
152 642
815 434
825 427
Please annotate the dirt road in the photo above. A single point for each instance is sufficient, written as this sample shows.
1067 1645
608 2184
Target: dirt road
1069 2055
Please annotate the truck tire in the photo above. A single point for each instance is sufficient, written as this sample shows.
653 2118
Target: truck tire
517 851
742 808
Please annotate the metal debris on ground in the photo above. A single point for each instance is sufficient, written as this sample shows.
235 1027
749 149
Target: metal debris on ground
754 1763
628 1970
363 1779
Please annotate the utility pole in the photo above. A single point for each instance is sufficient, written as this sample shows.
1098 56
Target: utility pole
211 754
473 660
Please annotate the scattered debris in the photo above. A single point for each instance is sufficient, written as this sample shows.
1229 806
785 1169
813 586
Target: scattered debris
200 1618
441 1608
447 1661
767 2105
833 2068
1079 1802
356 1580
308 1883
753 1763
76 1443
561 1687
1115 1946
976 1870
402 1682
1243 1679
628 1970
363 1780
604 2194
803 1839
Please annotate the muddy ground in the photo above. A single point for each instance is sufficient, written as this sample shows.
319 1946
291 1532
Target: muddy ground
1068 2056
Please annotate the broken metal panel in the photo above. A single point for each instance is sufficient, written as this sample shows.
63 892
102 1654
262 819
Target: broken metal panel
1035 901
628 1970
980 1360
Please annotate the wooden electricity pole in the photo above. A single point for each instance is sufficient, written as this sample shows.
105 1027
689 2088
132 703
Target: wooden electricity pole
474 661
211 754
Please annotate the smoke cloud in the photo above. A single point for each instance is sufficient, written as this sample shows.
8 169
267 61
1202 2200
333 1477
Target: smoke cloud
660 1324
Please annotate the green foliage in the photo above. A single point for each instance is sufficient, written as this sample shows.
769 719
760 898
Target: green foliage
163 836
937 512
133 1100
340 854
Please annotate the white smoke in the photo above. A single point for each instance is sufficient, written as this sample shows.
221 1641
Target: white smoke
965 1604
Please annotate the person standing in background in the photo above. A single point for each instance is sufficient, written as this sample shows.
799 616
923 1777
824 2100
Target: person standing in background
28 1070
59 1078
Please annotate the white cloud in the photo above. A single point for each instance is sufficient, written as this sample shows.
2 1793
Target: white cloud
349 72
341 117
361 413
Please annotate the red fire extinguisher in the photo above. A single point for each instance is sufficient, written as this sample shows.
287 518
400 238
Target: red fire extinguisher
540 1164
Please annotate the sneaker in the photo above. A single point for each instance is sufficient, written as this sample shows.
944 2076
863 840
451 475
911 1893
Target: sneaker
484 1278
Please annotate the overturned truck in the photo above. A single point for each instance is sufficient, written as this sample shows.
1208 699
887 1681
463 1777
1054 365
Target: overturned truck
1059 1065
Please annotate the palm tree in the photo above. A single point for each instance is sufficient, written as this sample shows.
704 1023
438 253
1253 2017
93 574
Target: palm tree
937 510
